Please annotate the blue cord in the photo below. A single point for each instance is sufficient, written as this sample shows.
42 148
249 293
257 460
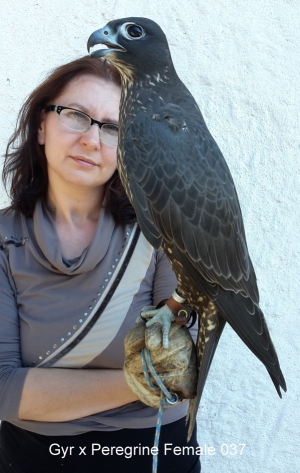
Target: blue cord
165 398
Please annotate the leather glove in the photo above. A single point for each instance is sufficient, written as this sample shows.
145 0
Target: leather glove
176 366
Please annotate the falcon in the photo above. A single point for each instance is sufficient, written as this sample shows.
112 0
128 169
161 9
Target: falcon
183 193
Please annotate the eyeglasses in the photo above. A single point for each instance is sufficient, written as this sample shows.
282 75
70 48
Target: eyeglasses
80 122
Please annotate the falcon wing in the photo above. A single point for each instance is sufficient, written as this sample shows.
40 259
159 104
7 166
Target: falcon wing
182 187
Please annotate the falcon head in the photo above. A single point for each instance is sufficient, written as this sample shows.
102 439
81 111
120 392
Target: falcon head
134 45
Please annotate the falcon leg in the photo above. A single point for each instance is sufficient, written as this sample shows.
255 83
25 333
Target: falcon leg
163 316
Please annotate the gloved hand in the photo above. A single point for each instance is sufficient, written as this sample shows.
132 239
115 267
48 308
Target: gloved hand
176 366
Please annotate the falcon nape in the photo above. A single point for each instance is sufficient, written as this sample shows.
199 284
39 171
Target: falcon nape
184 196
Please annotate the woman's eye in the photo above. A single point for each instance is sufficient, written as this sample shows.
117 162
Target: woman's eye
113 128
74 115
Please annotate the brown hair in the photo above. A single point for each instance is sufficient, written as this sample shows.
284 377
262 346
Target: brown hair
25 165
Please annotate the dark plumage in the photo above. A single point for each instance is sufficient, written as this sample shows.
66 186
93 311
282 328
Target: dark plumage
183 193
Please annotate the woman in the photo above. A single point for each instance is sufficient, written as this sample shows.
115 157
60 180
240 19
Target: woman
75 273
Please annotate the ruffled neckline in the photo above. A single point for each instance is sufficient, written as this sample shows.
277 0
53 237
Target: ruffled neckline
44 238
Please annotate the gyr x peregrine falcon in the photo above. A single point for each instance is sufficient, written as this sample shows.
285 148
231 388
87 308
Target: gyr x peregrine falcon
184 196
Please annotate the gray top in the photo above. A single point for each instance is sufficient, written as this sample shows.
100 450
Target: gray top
74 314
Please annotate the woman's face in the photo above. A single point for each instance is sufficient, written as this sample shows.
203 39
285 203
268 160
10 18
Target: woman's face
81 159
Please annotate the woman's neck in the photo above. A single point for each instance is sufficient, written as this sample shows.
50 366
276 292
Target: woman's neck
75 205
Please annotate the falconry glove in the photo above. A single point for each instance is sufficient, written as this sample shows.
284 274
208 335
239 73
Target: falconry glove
176 366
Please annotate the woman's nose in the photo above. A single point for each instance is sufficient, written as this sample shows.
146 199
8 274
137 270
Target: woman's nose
91 137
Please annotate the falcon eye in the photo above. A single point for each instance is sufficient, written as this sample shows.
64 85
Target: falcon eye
135 31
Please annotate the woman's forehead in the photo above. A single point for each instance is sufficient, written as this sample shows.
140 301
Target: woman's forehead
91 94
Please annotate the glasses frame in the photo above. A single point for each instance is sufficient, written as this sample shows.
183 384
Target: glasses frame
59 108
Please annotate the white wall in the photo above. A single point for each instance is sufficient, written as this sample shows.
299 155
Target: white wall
241 61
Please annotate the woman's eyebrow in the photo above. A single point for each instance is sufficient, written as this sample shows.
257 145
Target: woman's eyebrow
105 119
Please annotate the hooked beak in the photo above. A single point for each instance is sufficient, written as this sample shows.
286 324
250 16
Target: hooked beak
105 37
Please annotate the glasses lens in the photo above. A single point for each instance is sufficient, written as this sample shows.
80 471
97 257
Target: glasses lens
74 120
109 133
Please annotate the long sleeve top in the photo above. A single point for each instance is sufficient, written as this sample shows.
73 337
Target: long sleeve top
74 314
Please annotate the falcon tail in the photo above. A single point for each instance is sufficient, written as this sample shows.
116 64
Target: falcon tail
247 319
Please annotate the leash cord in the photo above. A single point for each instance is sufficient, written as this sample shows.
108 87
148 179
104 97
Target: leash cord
165 398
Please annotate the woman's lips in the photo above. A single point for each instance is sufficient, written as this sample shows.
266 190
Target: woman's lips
82 161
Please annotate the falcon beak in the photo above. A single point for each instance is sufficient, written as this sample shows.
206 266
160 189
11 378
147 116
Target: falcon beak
106 37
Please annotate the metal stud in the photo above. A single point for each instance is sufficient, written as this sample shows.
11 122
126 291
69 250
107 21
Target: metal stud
94 300
98 293
80 321
109 273
69 333
40 357
85 314
55 346
74 327
48 353
106 280
62 339
90 307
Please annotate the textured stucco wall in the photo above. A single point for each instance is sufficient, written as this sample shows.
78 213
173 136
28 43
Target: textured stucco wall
241 61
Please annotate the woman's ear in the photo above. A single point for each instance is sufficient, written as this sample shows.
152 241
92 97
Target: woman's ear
41 132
